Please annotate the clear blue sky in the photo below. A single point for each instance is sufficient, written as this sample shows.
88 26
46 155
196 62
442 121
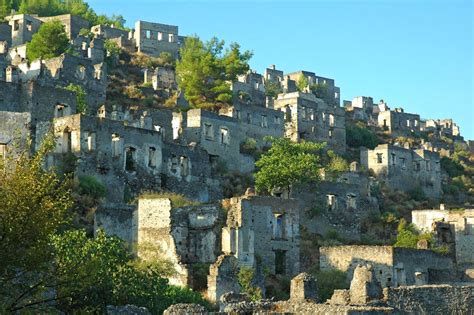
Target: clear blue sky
414 54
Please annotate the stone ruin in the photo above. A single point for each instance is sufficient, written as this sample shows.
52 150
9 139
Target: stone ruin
304 288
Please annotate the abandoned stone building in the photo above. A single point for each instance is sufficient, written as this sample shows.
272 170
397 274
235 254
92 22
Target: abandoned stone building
62 71
454 229
394 266
333 93
250 88
309 118
338 204
161 78
155 38
361 108
22 26
115 154
443 127
405 169
398 123
263 228
260 230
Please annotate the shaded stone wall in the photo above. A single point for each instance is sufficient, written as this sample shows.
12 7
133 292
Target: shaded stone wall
184 236
266 228
431 299
346 258
405 169
461 224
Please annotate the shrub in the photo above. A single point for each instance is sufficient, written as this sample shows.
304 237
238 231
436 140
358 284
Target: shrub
359 136
249 146
80 98
246 278
330 280
89 185
50 41
417 194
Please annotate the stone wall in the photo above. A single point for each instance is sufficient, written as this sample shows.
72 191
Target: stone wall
405 169
263 227
393 266
346 259
155 38
183 236
222 277
310 118
120 220
399 123
126 158
431 299
460 226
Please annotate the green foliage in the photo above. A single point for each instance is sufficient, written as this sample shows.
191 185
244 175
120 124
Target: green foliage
321 90
452 167
93 273
34 205
302 83
204 71
249 146
417 194
81 94
177 200
50 41
85 269
330 280
336 164
273 88
287 163
246 278
408 236
112 51
89 185
57 7
359 136
144 61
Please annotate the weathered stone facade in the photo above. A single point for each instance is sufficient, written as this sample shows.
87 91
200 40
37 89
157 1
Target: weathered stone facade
398 123
263 230
155 38
311 119
451 228
393 266
405 169
183 236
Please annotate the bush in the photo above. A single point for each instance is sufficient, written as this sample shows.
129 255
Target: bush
80 98
330 280
249 146
50 41
359 136
417 194
246 278
89 185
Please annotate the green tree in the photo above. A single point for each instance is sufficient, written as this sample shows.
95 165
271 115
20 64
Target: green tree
50 41
204 71
273 88
359 135
246 278
408 236
35 203
82 107
287 163
302 83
